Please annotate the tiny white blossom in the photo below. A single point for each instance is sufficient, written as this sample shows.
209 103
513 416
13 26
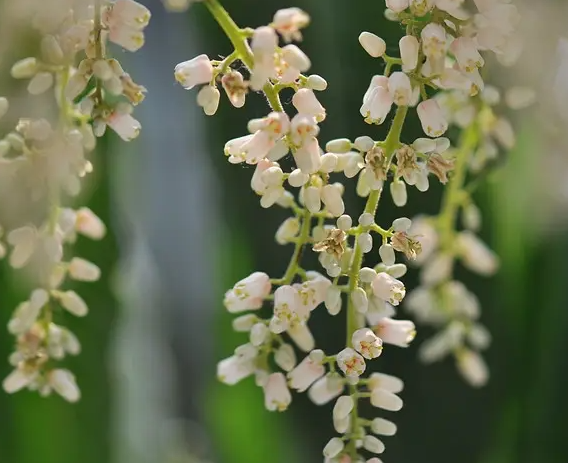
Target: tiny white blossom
350 362
367 343
397 332
249 293
372 44
195 71
305 374
388 288
277 396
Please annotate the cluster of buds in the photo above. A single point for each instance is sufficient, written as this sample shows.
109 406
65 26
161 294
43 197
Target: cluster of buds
44 162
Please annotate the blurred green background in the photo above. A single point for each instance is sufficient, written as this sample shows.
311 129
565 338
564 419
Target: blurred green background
518 418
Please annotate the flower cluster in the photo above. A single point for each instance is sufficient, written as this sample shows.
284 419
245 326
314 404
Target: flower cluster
470 105
44 161
438 74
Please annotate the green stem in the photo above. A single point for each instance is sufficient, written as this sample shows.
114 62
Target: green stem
98 50
453 193
238 38
353 318
294 263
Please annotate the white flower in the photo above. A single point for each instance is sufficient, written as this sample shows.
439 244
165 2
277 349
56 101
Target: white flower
475 254
195 71
466 54
409 49
124 125
285 357
233 369
288 309
89 224
326 389
367 343
289 21
472 367
388 288
125 20
343 407
398 192
331 197
333 447
276 394
308 156
397 332
83 270
208 98
313 291
373 444
397 6
24 242
383 427
263 45
305 374
372 44
306 102
249 293
19 379
288 230
425 233
302 336
432 119
377 101
350 362
296 58
63 382
72 302
400 88
433 41
381 398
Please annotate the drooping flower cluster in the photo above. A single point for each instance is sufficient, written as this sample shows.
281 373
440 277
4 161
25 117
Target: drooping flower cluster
43 163
450 58
440 52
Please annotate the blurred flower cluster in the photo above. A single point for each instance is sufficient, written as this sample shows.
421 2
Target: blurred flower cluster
43 161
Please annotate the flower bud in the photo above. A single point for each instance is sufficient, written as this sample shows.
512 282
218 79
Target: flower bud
25 68
359 299
339 145
432 118
297 178
331 197
343 407
333 447
383 427
312 199
372 44
194 72
398 193
317 83
373 444
400 88
365 241
40 83
208 98
409 48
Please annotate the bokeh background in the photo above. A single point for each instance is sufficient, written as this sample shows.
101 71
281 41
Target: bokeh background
185 226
